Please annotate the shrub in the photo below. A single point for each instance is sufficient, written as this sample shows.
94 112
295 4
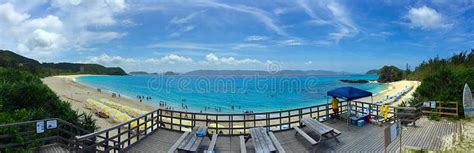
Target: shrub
24 97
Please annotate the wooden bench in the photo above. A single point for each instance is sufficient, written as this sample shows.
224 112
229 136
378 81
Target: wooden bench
321 129
276 143
306 136
190 142
176 144
243 149
261 141
212 145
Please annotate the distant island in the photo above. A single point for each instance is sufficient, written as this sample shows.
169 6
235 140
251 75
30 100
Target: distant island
261 72
146 73
13 60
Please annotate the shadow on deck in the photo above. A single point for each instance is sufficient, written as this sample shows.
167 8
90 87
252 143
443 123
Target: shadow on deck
431 135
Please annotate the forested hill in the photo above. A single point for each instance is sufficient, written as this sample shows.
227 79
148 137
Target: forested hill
13 60
458 62
444 79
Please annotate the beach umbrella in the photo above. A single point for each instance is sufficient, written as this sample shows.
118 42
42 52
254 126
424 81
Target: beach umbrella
348 94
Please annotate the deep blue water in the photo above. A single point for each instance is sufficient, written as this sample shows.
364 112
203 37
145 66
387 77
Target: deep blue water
258 94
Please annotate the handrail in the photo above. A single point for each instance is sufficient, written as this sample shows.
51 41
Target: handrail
34 121
114 127
63 134
224 123
124 135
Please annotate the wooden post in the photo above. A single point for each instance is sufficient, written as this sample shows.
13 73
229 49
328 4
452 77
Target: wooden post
245 122
280 120
180 121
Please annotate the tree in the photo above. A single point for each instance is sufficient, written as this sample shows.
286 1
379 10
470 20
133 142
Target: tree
390 74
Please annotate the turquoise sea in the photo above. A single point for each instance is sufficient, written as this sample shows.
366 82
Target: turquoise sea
228 94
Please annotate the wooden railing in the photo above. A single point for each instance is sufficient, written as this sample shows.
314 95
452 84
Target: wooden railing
124 135
408 115
21 134
443 108
120 136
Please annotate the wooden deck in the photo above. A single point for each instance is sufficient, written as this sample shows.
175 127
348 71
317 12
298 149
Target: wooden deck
431 135
52 148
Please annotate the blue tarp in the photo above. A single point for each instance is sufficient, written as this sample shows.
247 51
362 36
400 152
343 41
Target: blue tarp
349 93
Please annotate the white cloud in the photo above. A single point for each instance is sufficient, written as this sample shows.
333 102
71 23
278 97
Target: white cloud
185 19
280 11
260 14
309 63
181 31
212 59
256 38
43 40
242 46
426 18
66 26
381 34
291 42
344 22
205 46
8 14
173 62
111 60
322 42
172 59
330 13
182 25
118 60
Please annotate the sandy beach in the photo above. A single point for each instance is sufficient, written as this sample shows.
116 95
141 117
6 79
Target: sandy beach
77 94
392 89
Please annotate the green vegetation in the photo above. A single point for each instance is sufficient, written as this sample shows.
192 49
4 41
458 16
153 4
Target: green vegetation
390 74
10 59
444 79
23 97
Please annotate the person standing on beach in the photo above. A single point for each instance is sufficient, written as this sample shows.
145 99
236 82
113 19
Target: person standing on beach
335 106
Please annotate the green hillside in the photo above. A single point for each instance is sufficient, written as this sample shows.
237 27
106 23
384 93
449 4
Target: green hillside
444 79
13 60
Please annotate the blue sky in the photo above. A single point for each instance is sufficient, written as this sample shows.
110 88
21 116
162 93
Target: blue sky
157 36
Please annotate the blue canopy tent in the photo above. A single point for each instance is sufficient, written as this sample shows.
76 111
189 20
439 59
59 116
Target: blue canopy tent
349 94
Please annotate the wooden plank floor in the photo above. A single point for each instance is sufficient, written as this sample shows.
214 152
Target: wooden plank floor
369 138
52 148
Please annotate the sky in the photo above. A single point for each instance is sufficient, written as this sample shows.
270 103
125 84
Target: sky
181 35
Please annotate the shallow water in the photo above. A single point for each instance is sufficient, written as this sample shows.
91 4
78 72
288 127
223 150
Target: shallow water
228 94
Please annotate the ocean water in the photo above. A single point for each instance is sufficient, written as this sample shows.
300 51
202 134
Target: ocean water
229 94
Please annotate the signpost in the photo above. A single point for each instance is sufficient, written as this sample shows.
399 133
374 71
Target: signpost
43 125
40 127
391 133
51 124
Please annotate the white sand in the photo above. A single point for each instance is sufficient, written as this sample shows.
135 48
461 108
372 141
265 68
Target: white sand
394 88
77 94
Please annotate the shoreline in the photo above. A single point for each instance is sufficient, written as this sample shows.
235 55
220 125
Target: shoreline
392 89
68 89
